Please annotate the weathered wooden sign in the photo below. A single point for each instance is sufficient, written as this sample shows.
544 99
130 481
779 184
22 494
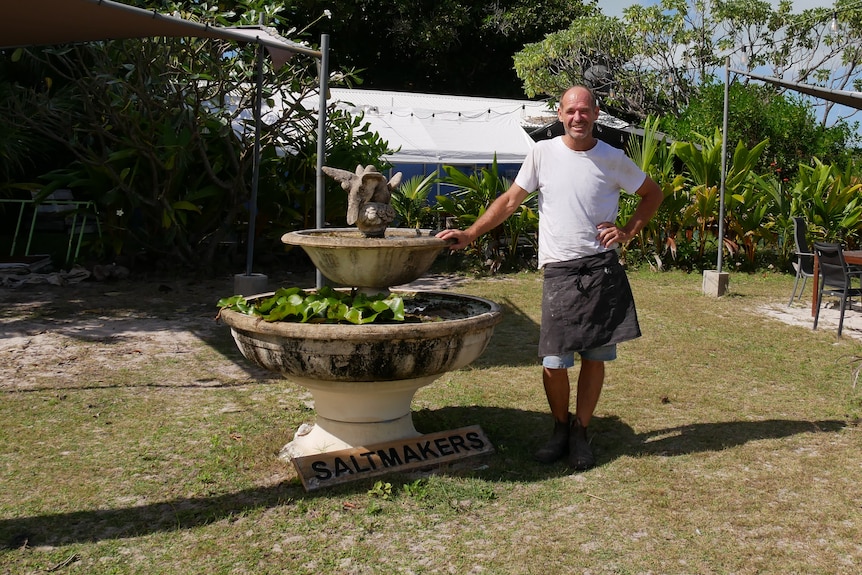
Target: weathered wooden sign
433 449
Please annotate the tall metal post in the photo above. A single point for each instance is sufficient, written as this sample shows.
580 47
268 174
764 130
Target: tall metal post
255 177
723 164
320 204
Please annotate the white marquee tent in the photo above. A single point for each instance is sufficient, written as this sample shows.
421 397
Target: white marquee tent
438 129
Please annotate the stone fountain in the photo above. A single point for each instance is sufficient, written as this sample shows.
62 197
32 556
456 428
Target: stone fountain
363 377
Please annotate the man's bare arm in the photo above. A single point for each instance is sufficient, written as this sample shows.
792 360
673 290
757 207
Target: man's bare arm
651 198
500 209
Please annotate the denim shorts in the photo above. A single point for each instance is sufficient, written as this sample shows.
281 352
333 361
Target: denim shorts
604 353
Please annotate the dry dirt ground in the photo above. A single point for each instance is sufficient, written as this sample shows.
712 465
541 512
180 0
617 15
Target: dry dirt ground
41 324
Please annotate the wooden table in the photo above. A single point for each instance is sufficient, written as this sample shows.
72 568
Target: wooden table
852 257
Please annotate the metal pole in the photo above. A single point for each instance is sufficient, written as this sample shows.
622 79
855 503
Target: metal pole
723 164
255 178
320 207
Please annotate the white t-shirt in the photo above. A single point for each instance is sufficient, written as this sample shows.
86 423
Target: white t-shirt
577 191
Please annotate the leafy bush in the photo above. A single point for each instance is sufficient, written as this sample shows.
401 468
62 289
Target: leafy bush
410 202
472 196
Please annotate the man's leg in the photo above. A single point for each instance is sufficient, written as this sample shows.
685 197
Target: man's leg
557 391
590 382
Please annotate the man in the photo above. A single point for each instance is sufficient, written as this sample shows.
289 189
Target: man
587 306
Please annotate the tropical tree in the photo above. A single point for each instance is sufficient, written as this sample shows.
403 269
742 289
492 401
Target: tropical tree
761 112
572 56
158 134
820 53
652 60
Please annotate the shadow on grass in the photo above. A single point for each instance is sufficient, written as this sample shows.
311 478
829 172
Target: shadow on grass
515 434
515 341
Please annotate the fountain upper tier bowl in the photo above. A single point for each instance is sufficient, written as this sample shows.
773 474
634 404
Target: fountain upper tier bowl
345 256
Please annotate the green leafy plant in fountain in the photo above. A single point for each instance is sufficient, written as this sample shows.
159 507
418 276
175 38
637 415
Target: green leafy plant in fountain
324 306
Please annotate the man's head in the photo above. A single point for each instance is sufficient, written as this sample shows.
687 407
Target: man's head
578 111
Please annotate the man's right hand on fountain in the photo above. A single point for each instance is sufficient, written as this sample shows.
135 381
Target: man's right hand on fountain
458 239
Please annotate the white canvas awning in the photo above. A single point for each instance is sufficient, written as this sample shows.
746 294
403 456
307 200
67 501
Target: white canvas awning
441 129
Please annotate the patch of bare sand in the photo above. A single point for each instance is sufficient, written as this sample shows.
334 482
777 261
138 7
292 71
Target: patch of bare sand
68 335
799 314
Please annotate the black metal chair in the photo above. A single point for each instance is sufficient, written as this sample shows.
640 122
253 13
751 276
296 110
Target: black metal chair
835 278
804 263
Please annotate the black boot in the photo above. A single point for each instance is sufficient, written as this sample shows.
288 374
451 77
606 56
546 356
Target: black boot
558 445
580 455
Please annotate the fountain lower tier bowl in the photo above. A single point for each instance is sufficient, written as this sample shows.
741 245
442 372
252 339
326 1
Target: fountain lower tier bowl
363 377
345 256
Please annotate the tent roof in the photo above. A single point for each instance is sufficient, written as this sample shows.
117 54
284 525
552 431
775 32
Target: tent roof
442 129
41 22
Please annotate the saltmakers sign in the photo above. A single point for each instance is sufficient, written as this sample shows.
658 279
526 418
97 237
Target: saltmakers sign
421 452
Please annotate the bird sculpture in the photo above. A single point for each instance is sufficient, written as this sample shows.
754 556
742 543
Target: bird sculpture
368 196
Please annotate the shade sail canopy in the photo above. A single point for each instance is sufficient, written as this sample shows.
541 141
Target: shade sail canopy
443 129
844 97
45 22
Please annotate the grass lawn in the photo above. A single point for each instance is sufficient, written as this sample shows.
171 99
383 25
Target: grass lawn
136 440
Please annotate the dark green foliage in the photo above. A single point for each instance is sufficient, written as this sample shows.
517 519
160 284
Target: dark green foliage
503 247
410 202
443 47
159 134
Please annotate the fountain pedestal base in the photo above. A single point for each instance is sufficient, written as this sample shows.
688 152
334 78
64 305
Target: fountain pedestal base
327 436
356 414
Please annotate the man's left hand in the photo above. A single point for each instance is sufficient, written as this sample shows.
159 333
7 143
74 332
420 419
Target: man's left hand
609 234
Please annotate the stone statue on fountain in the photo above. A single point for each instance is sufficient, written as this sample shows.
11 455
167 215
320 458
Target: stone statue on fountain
368 196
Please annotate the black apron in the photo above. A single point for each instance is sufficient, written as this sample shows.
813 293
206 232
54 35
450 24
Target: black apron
586 303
